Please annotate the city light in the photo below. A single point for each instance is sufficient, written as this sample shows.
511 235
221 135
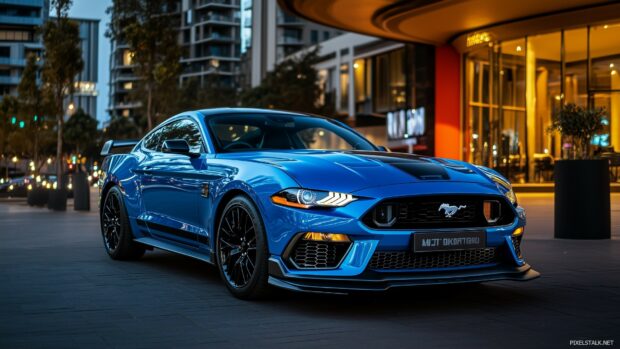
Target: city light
15 159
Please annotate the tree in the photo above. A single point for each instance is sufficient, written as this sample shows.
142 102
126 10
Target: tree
8 108
292 85
81 131
212 94
120 127
33 108
148 27
63 61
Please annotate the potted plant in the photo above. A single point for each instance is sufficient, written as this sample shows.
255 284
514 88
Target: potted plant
582 201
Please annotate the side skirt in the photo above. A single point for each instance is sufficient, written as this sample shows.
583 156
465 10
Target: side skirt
175 249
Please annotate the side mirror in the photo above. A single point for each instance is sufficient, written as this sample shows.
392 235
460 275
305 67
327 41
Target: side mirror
177 146
384 148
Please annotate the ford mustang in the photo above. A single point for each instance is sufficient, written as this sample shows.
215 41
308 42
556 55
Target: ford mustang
306 203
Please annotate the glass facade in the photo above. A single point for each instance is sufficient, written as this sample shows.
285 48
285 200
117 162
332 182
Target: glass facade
513 89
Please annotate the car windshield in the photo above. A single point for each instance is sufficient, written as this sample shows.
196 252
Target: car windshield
250 132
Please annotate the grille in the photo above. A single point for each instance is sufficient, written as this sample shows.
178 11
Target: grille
422 212
516 242
388 260
318 254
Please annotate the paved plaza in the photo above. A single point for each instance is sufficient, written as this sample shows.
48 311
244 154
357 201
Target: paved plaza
58 288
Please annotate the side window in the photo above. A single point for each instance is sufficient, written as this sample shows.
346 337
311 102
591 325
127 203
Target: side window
153 141
183 129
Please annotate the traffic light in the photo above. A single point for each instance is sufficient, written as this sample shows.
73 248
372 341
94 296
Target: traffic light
13 120
22 124
35 118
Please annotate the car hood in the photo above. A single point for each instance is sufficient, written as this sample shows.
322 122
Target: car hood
350 171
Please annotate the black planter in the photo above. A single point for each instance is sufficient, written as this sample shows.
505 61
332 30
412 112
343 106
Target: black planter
57 200
81 192
38 196
582 202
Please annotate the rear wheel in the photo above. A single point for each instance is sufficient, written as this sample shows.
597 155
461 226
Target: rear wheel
241 249
115 229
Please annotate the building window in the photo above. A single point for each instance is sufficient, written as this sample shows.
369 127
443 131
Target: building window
314 37
128 85
362 70
390 81
344 88
127 57
15 35
5 51
325 35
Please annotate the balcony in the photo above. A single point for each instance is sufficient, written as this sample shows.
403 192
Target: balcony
290 40
199 4
15 62
218 19
9 80
32 3
285 19
216 37
21 20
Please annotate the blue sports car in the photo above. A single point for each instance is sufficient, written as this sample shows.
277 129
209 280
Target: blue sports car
306 203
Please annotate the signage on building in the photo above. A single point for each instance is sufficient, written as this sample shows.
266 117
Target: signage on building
478 38
406 123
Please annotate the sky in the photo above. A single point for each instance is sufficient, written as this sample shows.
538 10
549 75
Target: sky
95 9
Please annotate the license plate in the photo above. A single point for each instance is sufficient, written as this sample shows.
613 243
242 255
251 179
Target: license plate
448 241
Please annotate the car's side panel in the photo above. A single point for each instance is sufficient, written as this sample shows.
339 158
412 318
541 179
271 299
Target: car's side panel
257 181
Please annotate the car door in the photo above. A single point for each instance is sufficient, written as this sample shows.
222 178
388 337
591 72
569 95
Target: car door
171 185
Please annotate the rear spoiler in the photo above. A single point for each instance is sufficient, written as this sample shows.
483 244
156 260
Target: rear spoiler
112 144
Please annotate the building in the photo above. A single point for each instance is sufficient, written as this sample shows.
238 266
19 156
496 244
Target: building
275 35
85 95
502 70
210 35
19 20
373 82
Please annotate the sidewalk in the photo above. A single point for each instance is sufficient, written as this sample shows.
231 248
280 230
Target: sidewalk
60 289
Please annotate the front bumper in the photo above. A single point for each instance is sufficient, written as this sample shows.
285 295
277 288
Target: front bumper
374 281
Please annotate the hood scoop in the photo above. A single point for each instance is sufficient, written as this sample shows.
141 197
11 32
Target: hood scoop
418 167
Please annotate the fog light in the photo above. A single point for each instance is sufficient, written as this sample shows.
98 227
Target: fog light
312 236
518 232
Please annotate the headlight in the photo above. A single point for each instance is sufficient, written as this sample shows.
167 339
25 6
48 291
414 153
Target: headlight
305 198
502 185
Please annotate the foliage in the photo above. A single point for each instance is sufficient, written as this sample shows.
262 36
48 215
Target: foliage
292 85
120 128
81 131
148 27
62 62
37 136
212 94
579 125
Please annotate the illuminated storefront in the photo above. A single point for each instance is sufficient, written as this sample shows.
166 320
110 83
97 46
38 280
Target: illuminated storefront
513 88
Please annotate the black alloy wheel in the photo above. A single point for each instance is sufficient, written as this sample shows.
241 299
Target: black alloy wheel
115 228
241 249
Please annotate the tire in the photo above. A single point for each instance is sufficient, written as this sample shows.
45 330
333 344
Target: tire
240 244
115 228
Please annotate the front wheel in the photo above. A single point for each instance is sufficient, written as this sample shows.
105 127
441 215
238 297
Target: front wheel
115 229
241 249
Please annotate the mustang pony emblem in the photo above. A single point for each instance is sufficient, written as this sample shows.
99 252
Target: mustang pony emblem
450 210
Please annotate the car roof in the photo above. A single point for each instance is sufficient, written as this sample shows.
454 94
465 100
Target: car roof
220 111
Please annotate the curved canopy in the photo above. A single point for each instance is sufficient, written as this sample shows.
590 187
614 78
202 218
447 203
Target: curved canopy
436 21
